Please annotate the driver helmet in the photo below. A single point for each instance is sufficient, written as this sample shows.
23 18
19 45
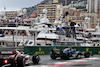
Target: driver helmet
17 52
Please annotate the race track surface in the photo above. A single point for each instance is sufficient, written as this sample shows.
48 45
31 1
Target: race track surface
46 61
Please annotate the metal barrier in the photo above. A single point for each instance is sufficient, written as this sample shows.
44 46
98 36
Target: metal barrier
11 48
46 49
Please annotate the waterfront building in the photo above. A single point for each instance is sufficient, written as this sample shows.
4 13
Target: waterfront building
34 15
53 12
99 11
65 2
80 19
93 6
76 19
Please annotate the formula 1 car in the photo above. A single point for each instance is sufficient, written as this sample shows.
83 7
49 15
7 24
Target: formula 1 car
67 53
17 59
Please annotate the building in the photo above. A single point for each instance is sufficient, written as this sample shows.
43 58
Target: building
55 1
76 19
65 2
34 15
99 8
93 6
93 19
77 13
52 10
70 13
81 19
69 10
99 11
93 9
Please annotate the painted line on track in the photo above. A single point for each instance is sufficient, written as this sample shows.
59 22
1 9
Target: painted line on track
64 63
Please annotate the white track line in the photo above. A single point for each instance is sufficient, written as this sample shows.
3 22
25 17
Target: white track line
64 63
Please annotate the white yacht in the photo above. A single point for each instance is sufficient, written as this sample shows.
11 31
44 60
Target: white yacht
46 35
44 38
26 33
11 36
39 43
87 43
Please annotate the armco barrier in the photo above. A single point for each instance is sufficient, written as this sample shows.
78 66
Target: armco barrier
11 48
46 49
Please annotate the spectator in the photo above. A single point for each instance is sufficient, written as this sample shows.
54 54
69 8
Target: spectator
54 44
89 35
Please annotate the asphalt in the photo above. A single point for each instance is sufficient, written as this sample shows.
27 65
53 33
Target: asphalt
46 61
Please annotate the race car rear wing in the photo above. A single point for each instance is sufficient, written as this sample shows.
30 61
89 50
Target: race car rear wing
56 50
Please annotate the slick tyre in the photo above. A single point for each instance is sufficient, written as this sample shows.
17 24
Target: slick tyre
20 61
66 56
35 59
87 54
52 55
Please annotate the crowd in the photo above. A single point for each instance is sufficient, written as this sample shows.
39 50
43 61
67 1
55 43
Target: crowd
96 45
11 32
14 21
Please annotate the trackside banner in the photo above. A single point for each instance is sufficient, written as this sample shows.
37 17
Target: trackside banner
42 50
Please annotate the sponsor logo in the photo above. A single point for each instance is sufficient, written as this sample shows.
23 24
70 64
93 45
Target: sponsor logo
40 51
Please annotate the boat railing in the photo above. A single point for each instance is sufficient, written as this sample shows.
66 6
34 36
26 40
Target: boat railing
13 24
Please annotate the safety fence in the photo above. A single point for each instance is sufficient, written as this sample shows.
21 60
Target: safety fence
42 50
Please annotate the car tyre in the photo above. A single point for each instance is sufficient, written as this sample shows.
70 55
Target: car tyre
20 61
66 56
35 59
87 54
52 55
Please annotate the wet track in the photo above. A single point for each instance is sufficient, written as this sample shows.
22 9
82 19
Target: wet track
46 61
